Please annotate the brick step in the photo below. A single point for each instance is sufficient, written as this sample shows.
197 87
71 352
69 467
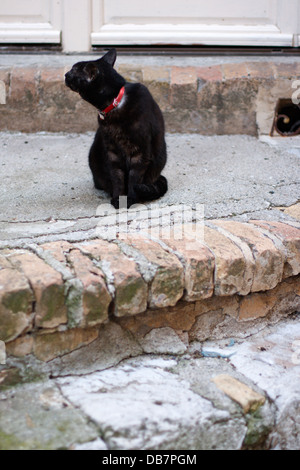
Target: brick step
223 98
59 296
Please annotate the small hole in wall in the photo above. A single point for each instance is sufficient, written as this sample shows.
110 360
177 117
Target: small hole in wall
287 119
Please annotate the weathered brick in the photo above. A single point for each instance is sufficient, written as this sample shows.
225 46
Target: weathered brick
180 318
59 107
15 304
290 237
259 70
248 257
247 398
21 346
54 107
210 74
234 71
39 101
269 260
157 80
199 264
4 263
183 317
230 264
131 291
167 285
229 305
95 297
5 75
205 325
156 74
88 297
225 107
20 111
183 87
131 73
289 71
284 299
255 306
48 288
52 74
49 346
183 76
293 211
58 249
23 87
52 91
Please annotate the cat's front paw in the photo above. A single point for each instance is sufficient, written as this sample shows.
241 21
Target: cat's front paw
115 202
131 201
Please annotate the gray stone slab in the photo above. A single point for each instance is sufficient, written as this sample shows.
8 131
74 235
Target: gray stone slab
47 190
163 60
164 401
38 417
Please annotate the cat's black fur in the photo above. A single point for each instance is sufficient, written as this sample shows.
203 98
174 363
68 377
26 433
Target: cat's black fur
129 150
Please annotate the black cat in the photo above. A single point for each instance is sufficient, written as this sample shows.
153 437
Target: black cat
129 150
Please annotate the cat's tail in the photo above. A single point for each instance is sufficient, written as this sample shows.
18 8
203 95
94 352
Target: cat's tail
149 192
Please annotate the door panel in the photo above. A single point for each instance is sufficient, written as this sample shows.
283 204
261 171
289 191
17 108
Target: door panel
30 21
190 11
78 24
214 22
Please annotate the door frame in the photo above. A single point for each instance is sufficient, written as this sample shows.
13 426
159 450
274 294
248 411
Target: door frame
79 24
284 33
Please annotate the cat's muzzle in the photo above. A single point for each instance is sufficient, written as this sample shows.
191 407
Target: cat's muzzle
70 82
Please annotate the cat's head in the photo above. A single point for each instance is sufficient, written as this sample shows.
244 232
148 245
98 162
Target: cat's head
96 81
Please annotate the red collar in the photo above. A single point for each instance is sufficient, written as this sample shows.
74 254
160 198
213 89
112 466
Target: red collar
114 104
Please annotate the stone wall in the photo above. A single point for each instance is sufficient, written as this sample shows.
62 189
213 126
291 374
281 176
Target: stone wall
237 98
57 297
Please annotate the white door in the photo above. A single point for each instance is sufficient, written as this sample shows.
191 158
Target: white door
78 24
30 21
196 22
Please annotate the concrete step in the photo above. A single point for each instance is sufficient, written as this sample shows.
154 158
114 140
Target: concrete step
222 263
207 95
182 333
219 395
55 296
157 339
47 189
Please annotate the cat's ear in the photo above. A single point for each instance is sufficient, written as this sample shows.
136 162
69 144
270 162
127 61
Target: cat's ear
92 71
110 57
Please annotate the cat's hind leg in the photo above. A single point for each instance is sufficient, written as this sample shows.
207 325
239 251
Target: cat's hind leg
97 166
150 192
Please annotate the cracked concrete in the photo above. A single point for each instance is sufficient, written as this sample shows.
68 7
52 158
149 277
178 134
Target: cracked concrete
47 191
110 394
165 400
